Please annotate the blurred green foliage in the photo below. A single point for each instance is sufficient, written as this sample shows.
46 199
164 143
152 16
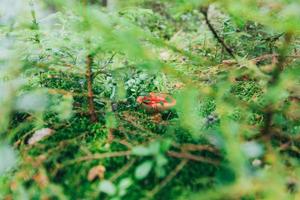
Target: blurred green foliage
233 67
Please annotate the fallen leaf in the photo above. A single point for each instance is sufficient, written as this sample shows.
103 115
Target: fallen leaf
229 62
178 85
95 172
8 198
41 179
40 135
156 118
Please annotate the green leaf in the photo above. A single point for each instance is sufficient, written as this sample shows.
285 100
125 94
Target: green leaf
7 157
141 151
143 170
107 187
154 147
161 160
160 172
64 108
124 185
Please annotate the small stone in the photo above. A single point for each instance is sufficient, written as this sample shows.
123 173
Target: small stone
165 55
256 163
114 107
212 118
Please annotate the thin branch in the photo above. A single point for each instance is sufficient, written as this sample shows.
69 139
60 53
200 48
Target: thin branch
192 157
162 184
181 155
196 147
260 59
123 170
192 147
274 38
103 71
98 157
204 11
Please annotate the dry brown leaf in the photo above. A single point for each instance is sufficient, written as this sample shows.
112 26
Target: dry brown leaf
41 179
9 197
13 186
229 62
178 85
96 172
156 118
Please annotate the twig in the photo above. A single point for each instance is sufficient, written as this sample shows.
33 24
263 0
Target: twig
124 169
204 11
124 142
195 147
97 157
274 38
53 67
162 184
60 146
192 157
260 58
134 122
63 92
129 153
89 75
103 155
107 63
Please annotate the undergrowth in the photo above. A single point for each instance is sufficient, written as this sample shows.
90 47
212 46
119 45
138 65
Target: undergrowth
234 130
